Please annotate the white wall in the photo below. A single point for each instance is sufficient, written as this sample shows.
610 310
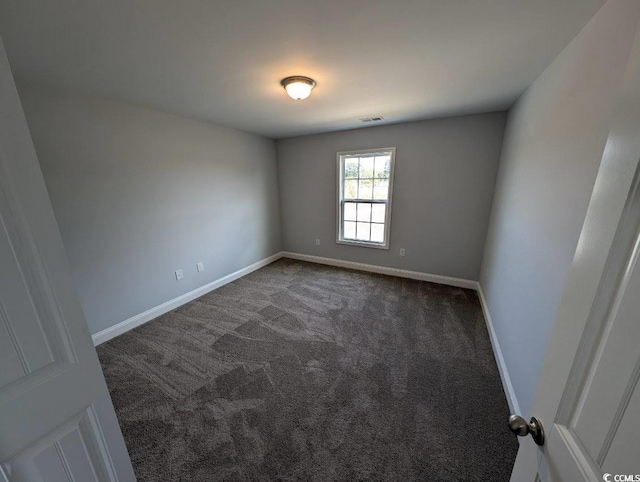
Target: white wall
553 145
444 179
138 193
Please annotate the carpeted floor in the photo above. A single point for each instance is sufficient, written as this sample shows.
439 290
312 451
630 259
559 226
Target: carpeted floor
302 372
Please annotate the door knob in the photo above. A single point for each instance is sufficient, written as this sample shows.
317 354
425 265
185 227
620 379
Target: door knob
521 428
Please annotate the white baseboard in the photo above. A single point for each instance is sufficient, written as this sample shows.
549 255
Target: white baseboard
512 400
372 268
142 318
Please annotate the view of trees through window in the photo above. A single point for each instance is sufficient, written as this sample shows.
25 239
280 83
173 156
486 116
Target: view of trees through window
365 197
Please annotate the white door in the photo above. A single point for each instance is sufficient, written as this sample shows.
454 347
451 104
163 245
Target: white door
56 418
588 395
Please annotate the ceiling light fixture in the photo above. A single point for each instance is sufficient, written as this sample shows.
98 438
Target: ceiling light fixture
298 87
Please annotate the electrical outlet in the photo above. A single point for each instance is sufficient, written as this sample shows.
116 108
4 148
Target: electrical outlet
179 274
200 266
317 241
402 252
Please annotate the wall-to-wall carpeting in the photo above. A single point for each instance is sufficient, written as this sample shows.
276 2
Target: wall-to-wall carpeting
313 373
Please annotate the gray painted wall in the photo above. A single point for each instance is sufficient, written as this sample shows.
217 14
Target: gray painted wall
138 193
553 145
444 180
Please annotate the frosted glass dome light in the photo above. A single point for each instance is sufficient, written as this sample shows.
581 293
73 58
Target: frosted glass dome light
298 87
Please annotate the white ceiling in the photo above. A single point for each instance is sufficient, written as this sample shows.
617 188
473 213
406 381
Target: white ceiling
222 60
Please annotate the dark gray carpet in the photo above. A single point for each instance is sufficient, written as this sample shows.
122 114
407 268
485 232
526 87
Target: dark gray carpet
312 373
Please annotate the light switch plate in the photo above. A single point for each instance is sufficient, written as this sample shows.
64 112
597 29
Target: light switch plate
200 266
179 274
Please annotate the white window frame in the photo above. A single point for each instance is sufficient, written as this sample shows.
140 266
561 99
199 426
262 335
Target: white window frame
341 156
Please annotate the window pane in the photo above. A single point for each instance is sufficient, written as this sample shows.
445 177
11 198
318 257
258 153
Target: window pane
350 211
351 167
349 231
377 233
381 189
378 213
350 189
383 167
363 231
366 167
366 189
364 212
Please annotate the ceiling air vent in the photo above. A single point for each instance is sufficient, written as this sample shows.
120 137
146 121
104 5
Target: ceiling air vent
372 119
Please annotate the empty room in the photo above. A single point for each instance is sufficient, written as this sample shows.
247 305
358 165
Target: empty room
287 240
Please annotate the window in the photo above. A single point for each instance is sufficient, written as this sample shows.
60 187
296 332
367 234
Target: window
365 180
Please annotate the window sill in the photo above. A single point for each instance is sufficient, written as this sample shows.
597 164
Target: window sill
362 244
